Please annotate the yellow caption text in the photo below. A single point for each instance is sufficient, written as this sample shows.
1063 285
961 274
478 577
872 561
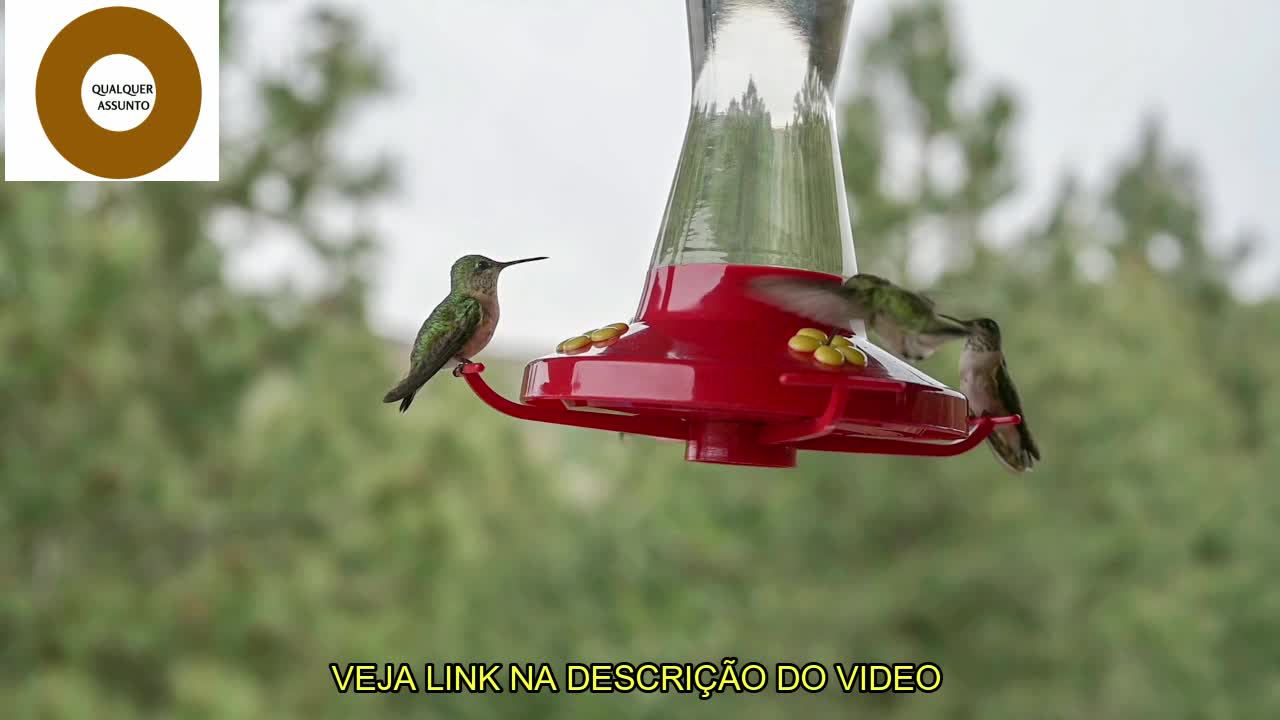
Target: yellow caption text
704 679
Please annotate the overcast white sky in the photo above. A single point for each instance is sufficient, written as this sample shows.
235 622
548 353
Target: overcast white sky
552 129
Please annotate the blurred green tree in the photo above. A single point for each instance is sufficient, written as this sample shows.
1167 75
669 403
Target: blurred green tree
133 510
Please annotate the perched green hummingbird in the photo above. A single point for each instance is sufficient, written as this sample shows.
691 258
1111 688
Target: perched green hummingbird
985 379
906 323
460 326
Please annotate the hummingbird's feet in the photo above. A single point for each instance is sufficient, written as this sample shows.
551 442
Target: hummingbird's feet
457 371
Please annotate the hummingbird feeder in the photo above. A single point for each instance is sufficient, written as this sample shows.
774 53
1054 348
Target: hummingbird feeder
758 191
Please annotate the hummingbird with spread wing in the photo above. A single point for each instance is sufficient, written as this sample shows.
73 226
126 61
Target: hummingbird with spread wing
985 380
459 327
906 323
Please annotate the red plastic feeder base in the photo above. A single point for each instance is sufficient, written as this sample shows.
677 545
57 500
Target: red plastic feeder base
707 364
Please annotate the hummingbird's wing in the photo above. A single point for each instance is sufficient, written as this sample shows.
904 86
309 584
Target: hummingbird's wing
824 302
445 332
441 337
1027 452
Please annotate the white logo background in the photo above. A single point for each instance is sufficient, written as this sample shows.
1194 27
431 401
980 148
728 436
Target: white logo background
117 70
29 27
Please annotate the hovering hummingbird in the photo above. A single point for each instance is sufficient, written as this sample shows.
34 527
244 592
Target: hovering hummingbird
460 326
906 322
985 379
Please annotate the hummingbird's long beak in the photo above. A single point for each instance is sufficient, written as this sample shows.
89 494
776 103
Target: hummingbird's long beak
517 262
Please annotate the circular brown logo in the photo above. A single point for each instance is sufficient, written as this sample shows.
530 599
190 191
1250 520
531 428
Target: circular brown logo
84 143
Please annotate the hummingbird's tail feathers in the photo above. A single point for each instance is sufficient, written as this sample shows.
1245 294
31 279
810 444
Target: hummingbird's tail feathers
403 389
1000 450
1016 458
1030 448
409 386
407 401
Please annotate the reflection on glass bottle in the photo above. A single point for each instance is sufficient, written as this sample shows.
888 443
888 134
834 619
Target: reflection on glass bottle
759 179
